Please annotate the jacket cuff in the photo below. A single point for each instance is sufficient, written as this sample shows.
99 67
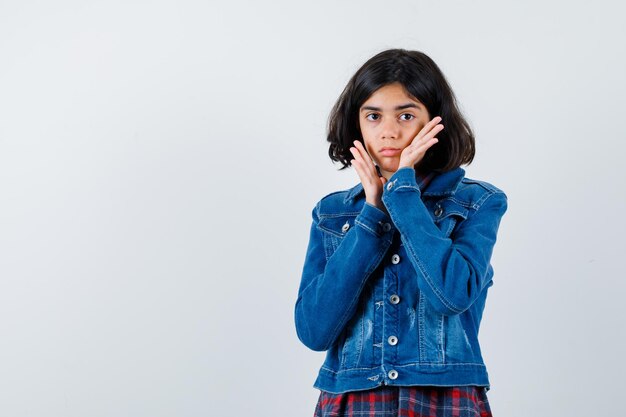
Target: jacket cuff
374 220
404 178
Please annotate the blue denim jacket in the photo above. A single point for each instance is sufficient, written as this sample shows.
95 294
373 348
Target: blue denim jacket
397 298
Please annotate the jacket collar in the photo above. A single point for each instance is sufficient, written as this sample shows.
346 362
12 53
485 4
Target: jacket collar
437 184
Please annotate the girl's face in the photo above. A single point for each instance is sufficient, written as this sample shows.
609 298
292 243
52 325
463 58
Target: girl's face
389 120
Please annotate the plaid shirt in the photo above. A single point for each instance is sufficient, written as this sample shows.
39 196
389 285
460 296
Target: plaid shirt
413 401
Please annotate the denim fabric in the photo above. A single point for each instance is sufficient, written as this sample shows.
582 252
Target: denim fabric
398 298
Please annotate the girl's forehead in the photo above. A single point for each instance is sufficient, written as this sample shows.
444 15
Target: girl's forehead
391 91
392 94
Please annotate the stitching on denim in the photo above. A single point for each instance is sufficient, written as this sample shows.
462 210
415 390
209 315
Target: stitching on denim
420 326
448 214
465 204
368 272
335 215
441 343
366 227
482 200
323 227
430 282
439 364
361 337
451 226
484 184
412 364
411 187
348 370
327 246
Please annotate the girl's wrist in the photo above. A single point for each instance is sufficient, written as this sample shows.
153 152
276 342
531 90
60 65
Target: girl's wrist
378 204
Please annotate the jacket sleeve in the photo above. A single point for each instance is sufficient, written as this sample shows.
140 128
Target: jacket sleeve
330 289
451 273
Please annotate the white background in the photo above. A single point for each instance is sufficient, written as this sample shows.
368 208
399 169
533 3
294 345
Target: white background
158 166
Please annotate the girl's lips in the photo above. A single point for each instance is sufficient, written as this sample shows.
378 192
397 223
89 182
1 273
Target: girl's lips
390 152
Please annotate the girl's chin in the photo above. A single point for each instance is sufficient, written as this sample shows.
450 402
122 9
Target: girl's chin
390 166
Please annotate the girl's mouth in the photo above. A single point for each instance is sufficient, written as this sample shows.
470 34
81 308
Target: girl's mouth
390 152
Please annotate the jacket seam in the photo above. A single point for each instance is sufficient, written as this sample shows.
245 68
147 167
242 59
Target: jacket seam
413 364
366 227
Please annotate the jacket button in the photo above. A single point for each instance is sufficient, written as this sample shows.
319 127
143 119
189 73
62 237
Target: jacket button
395 258
389 185
392 340
345 227
438 211
395 299
393 374
386 227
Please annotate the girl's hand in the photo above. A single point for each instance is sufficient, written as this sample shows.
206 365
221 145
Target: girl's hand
372 183
416 150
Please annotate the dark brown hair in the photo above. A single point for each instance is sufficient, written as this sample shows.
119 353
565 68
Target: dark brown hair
424 81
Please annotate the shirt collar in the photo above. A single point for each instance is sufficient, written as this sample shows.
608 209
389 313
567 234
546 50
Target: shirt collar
430 184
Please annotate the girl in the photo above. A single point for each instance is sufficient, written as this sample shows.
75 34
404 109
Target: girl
397 268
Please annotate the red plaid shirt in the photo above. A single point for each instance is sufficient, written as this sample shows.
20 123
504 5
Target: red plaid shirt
415 401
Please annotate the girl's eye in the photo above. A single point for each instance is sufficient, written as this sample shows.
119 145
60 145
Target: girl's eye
404 116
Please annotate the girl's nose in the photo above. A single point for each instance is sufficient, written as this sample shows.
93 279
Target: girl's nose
389 130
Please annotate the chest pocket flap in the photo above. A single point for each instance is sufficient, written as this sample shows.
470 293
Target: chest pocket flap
447 214
337 225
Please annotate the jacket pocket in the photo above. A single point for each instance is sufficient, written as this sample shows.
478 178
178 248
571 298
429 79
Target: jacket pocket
335 228
448 214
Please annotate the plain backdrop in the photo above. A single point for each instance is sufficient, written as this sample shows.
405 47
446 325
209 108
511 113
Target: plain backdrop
159 161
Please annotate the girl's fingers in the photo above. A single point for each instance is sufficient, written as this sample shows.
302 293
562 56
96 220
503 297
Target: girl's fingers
432 131
424 147
366 157
363 165
356 162
428 127
425 140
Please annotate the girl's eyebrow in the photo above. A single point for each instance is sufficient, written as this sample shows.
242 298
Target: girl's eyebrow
401 107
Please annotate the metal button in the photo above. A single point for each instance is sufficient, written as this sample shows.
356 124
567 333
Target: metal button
438 211
389 185
345 227
395 299
386 227
392 340
395 258
393 374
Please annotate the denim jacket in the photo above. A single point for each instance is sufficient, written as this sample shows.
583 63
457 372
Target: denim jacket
397 298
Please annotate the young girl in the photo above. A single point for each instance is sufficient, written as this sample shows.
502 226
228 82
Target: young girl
397 268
